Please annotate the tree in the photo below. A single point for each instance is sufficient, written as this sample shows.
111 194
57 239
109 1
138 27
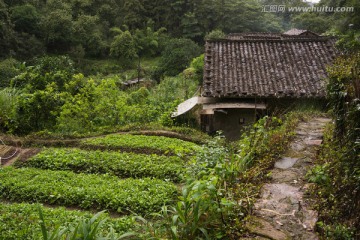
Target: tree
46 71
134 14
123 46
26 19
58 27
6 31
215 34
147 40
247 16
177 55
27 46
312 21
43 93
87 33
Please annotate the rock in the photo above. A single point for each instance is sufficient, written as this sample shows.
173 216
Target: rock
297 146
265 229
287 176
286 163
313 142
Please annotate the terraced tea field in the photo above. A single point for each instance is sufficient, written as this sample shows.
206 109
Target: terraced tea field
141 143
121 173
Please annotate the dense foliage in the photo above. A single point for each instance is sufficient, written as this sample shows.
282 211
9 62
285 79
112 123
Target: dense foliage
151 143
86 191
338 173
123 165
118 38
22 221
50 96
85 28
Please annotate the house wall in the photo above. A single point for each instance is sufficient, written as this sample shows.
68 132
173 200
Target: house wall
232 123
281 105
229 122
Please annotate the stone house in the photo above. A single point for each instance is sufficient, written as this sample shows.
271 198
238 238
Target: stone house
249 74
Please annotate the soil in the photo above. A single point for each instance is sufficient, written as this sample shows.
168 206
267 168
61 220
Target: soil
7 153
283 211
17 154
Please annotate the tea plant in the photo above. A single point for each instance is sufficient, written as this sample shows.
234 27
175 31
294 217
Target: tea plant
22 221
86 191
87 229
139 142
120 164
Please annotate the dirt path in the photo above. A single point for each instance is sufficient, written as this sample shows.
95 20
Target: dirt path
9 154
282 211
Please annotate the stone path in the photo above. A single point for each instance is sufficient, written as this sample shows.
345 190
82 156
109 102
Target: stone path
282 212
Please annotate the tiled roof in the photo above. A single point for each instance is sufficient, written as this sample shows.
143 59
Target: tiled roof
254 35
297 32
292 33
267 66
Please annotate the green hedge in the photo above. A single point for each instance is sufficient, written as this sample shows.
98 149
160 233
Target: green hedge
120 164
21 221
145 143
86 191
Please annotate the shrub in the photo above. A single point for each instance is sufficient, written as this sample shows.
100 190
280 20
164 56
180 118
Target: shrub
9 68
198 65
8 102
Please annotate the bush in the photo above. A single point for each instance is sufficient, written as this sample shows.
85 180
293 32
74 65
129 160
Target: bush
8 102
196 69
9 68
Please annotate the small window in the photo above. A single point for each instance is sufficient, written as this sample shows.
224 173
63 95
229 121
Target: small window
241 121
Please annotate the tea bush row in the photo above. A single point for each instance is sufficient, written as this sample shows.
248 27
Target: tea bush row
22 221
86 191
146 143
123 165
